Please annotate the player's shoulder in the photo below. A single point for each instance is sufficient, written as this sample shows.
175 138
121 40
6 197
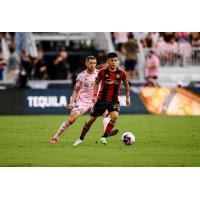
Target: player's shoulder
121 70
96 71
82 73
101 70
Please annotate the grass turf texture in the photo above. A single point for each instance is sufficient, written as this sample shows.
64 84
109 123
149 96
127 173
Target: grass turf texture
160 141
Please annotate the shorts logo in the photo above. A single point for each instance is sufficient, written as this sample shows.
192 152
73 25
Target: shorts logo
115 106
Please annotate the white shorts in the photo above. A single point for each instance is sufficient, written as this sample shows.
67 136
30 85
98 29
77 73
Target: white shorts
81 107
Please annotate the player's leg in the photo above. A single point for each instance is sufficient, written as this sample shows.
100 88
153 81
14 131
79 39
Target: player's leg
79 109
64 126
85 129
97 111
114 109
106 120
108 132
87 126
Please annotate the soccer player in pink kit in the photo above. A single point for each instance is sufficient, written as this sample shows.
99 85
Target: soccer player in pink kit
81 99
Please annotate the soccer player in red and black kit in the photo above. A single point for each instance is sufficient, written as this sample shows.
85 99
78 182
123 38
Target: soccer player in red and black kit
110 79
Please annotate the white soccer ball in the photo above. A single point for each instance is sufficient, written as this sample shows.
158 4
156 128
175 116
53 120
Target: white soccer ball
128 138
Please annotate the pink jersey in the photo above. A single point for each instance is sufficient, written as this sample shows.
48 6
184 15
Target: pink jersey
121 37
86 83
172 48
185 49
153 64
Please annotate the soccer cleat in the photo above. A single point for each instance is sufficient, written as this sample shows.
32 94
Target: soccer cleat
53 140
78 142
113 132
103 140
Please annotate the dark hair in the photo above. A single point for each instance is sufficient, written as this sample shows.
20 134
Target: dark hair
90 58
12 48
111 55
130 35
151 51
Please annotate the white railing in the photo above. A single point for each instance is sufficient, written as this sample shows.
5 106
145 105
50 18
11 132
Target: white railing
183 56
31 48
102 40
63 36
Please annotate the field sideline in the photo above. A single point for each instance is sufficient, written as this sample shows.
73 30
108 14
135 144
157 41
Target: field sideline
160 141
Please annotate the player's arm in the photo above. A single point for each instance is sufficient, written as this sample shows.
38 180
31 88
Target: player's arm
58 60
96 85
95 92
3 62
73 97
127 91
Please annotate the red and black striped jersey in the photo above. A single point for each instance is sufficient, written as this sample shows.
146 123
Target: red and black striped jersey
110 84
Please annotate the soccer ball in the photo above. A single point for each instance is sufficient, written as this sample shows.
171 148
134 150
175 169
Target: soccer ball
128 138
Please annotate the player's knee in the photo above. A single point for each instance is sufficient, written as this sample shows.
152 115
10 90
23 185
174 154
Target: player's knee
73 118
114 117
91 121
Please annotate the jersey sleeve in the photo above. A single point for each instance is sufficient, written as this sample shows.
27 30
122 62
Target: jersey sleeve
78 81
124 76
99 76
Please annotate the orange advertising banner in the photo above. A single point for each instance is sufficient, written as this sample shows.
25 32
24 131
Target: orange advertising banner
170 101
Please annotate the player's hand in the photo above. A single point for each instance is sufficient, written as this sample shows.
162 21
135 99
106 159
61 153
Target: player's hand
59 59
128 101
69 106
94 100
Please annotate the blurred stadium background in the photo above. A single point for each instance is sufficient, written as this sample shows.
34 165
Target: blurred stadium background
38 72
38 69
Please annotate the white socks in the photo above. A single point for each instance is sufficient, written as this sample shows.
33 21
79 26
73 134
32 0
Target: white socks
106 120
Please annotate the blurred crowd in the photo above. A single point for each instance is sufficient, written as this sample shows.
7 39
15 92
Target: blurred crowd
20 67
165 40
160 48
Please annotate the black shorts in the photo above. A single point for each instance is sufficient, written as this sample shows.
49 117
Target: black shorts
130 65
153 77
100 107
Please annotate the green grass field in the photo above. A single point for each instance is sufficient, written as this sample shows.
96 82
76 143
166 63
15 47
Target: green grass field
160 141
